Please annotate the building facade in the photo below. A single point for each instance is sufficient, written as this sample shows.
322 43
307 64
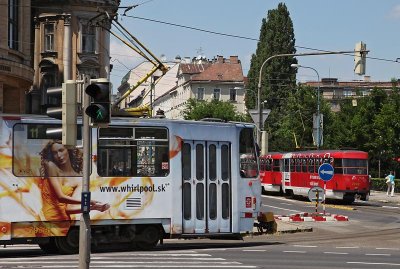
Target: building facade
67 46
333 90
16 72
218 79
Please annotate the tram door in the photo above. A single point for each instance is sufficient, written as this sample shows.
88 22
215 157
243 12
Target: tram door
206 175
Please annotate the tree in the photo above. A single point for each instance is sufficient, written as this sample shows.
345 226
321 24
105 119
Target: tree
278 78
296 130
197 110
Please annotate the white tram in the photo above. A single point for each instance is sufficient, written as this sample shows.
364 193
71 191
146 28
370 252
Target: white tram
150 179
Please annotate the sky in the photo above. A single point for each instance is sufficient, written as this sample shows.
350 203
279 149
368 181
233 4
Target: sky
332 25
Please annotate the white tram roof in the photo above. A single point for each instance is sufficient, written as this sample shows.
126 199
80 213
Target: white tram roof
115 121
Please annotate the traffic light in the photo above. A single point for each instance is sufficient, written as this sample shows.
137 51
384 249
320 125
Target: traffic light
67 112
360 55
99 109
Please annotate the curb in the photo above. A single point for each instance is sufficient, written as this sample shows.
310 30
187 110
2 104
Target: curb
304 217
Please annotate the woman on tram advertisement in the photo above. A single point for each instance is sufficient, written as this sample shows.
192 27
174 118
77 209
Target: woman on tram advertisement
59 196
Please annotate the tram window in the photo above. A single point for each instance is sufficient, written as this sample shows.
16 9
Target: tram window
212 162
36 154
187 201
212 200
247 151
199 162
276 166
139 151
262 164
355 166
200 201
317 164
225 163
338 166
298 165
186 162
270 165
286 165
304 165
225 201
311 167
291 165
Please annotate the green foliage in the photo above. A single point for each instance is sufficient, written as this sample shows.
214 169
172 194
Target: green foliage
197 110
278 78
379 184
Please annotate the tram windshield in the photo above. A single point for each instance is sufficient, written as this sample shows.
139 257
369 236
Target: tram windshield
248 157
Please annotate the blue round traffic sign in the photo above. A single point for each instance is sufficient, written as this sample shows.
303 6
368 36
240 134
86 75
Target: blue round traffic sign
325 172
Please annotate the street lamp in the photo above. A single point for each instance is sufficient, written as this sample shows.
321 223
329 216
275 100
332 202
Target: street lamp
318 104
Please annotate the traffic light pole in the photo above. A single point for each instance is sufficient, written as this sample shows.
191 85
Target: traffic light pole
84 225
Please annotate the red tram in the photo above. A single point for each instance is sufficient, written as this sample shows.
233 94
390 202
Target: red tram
294 173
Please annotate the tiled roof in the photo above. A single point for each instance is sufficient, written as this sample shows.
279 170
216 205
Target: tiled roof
194 68
216 71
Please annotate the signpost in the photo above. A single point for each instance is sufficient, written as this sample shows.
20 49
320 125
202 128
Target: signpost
325 172
316 194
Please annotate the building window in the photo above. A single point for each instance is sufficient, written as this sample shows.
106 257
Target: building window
200 93
217 94
49 37
232 95
13 24
88 38
347 92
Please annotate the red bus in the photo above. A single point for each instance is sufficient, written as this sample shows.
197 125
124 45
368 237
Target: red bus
294 173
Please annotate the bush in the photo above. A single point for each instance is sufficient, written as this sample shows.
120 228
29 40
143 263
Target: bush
379 184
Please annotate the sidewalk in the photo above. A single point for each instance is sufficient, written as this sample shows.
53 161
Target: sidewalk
292 227
380 196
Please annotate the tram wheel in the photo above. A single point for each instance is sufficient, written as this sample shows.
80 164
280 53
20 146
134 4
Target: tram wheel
68 244
148 238
349 199
50 247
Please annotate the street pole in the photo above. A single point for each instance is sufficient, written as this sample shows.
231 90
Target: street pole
285 55
318 138
84 224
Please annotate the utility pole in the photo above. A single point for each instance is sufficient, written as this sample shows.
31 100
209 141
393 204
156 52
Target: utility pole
84 224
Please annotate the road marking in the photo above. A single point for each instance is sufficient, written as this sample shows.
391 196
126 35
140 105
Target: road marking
377 254
213 249
386 206
280 198
336 253
347 247
159 266
375 263
282 208
304 246
388 248
285 204
158 258
259 250
294 251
